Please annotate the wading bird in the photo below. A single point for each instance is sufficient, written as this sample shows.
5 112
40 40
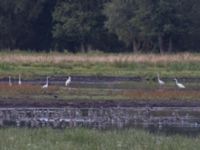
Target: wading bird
19 81
9 82
68 81
179 85
160 82
47 83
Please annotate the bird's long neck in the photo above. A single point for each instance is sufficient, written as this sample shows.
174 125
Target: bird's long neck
176 81
47 80
158 76
10 81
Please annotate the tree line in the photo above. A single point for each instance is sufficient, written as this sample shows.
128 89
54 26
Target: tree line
107 25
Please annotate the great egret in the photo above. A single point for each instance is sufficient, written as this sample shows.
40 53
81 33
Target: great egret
10 83
179 85
47 83
20 82
160 82
67 82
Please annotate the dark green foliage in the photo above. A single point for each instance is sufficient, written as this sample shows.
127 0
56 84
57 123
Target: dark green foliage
148 24
17 18
110 25
79 25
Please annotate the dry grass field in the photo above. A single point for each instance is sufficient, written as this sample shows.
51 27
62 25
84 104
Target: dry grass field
57 58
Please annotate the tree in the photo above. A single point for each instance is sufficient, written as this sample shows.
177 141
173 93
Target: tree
164 20
16 20
167 20
77 23
190 39
121 20
42 27
141 22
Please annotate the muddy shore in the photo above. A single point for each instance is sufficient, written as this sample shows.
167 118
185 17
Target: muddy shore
95 104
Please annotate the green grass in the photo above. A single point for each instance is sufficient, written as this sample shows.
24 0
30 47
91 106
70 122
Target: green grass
31 64
90 139
101 69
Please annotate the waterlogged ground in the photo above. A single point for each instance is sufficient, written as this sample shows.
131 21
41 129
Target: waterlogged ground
84 139
96 89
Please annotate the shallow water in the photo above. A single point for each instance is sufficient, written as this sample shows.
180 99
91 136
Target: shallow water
170 119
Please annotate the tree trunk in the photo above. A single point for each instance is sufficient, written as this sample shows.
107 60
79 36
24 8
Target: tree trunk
170 48
160 41
135 46
82 47
89 47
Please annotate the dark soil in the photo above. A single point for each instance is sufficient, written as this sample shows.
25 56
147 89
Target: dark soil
96 104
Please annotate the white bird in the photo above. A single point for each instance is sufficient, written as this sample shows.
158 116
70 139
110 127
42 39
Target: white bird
47 84
179 85
10 83
68 81
160 82
20 82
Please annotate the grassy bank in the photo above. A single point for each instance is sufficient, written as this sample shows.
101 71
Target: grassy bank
85 139
32 64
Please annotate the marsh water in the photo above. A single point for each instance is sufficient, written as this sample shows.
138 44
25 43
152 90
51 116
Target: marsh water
159 117
170 119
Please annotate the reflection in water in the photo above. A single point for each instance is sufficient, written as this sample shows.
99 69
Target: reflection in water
155 119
